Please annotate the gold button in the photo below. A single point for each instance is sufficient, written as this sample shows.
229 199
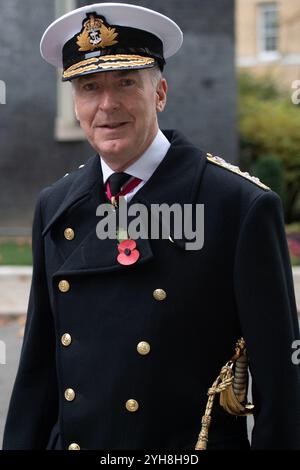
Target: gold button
66 339
69 394
74 446
159 294
143 348
64 286
69 234
132 405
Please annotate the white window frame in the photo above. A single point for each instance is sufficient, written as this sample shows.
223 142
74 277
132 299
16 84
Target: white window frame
263 54
67 128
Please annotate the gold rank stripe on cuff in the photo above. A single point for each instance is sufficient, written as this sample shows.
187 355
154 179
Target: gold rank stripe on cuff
107 62
235 169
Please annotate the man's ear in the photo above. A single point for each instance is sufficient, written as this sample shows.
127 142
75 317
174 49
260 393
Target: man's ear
161 95
74 100
76 112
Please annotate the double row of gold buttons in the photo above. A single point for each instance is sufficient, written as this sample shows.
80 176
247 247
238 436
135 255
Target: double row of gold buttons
143 347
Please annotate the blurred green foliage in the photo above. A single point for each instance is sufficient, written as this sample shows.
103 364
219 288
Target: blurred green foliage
269 130
269 169
15 252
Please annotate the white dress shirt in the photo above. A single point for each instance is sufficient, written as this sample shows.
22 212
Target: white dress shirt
144 167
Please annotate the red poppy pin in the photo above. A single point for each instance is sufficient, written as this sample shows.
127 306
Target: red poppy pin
128 253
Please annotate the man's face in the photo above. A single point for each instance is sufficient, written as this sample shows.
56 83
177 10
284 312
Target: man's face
118 112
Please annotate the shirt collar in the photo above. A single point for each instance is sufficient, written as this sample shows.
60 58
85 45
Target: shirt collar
145 166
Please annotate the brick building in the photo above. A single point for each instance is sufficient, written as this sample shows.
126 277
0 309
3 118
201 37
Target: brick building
268 38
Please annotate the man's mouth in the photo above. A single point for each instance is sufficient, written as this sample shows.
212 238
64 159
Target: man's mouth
113 125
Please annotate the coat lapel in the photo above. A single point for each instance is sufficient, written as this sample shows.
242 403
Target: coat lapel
85 185
176 180
86 253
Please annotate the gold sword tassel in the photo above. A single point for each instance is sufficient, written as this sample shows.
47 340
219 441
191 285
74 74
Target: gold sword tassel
232 388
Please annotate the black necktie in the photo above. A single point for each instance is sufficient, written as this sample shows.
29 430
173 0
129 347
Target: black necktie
116 181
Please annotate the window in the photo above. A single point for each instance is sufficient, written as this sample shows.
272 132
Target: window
268 29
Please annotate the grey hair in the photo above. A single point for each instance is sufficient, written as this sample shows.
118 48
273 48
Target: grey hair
156 75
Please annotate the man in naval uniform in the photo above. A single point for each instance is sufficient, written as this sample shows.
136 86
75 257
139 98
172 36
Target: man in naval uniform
124 337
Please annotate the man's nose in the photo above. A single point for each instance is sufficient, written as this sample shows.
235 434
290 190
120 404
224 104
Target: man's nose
108 101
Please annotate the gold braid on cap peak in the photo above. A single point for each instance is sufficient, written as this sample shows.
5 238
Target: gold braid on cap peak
107 62
235 169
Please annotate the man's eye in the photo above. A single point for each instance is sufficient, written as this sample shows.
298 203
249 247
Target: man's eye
89 87
127 82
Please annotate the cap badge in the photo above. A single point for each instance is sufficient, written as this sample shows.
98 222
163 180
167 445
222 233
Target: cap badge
96 34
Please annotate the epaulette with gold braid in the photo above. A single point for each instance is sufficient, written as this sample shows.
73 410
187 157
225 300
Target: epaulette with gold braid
235 169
